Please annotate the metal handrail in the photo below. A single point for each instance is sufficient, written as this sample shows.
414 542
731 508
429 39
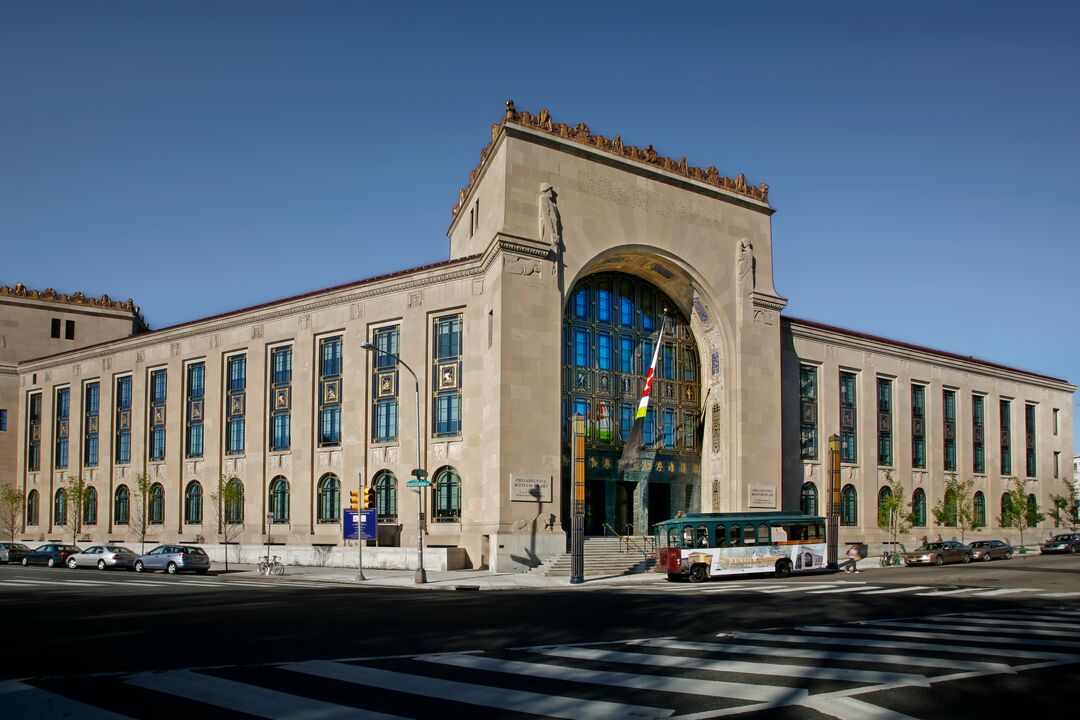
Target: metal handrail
627 541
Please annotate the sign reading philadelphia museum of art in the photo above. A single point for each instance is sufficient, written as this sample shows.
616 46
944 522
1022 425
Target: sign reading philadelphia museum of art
530 488
762 496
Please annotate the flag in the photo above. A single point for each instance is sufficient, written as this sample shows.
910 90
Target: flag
634 443
699 431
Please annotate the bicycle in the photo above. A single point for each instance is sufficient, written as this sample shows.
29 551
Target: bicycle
890 558
270 567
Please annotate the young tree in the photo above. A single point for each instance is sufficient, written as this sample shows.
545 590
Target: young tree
228 502
76 491
894 513
957 509
139 510
1066 508
11 511
1016 512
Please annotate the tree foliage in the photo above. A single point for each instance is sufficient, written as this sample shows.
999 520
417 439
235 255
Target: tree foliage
894 514
957 508
11 511
139 510
75 491
1016 512
228 502
1065 509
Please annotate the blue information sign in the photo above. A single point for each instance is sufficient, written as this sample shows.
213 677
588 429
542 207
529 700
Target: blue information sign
365 518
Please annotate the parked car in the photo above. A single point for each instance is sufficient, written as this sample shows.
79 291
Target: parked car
1064 543
990 550
12 552
938 553
173 559
102 557
51 554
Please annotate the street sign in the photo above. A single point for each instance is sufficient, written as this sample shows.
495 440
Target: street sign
366 519
418 483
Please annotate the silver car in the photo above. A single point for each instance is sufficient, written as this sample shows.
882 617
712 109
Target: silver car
173 559
12 552
102 557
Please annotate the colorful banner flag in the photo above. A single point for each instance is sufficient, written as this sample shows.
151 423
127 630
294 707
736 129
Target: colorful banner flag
634 443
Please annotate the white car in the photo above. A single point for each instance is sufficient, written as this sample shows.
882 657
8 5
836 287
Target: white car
102 557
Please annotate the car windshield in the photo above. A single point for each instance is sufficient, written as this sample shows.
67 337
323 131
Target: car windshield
980 543
118 549
1062 538
194 551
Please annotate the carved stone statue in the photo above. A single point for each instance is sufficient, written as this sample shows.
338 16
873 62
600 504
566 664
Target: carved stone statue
550 224
746 263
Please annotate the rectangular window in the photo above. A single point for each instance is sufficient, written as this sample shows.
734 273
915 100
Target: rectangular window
196 391
978 429
1057 461
689 433
1055 422
884 423
62 413
122 401
69 329
948 411
808 409
626 305
918 426
91 413
603 303
603 350
650 427
33 430
668 428
56 328
667 362
626 354
626 420
235 404
3 420
280 399
385 377
848 418
158 392
329 426
446 369
581 347
1005 410
1029 428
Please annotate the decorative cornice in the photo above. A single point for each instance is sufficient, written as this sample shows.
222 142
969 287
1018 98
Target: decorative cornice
76 298
580 134
769 302
522 248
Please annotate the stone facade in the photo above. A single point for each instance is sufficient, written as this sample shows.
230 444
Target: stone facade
547 207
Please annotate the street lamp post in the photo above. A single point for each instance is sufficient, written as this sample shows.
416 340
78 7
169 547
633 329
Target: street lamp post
421 574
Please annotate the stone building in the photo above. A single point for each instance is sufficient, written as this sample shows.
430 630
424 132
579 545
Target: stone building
568 252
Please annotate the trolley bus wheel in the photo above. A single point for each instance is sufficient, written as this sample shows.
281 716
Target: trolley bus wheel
699 573
783 568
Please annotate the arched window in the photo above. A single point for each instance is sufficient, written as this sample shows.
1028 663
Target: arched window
279 499
60 508
883 496
193 500
234 502
89 508
156 514
808 499
918 508
386 495
1006 508
329 500
447 495
979 506
121 502
950 508
849 506
32 501
1032 511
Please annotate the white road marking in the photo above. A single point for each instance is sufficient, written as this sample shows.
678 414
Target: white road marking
906 588
20 700
1060 594
501 698
935 593
1005 591
1060 624
899 631
846 708
732 588
843 590
964 625
800 588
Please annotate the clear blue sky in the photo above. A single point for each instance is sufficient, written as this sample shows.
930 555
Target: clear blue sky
203 156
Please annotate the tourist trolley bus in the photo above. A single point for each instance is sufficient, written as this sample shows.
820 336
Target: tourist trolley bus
699 546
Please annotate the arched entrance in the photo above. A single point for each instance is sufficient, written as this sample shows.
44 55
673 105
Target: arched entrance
610 326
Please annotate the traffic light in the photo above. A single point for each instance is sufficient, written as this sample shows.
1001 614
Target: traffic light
369 498
354 499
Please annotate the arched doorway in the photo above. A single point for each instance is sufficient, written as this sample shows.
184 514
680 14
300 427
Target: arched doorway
610 327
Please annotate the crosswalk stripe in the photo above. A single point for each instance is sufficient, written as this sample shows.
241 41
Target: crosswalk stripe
654 683
1011 622
935 593
812 654
45 582
248 699
906 588
963 624
90 582
799 588
901 632
20 700
1060 594
737 666
501 698
1005 591
843 590
730 588
849 708
908 645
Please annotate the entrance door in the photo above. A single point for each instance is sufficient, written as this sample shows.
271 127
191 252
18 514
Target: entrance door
624 507
659 504
595 507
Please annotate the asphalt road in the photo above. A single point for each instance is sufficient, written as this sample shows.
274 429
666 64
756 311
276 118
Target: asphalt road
972 641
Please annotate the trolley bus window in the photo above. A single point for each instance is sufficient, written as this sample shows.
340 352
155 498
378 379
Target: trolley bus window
748 535
763 534
702 537
721 536
736 536
687 536
673 537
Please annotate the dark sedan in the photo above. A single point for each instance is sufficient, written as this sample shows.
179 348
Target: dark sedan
12 552
990 550
1064 543
52 555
